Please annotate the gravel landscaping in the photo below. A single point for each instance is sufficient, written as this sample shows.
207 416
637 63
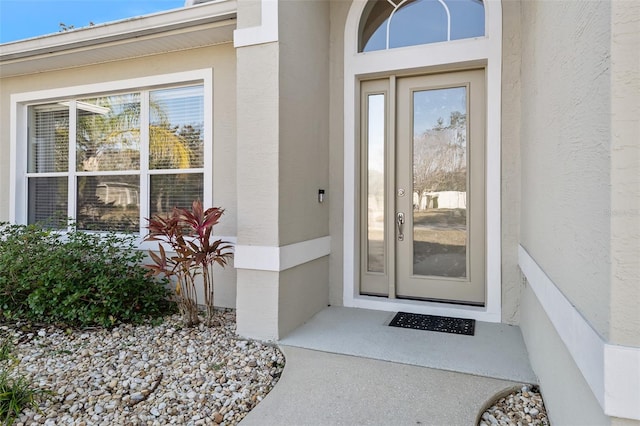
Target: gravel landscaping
520 408
145 375
170 374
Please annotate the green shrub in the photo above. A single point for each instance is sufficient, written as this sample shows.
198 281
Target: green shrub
75 278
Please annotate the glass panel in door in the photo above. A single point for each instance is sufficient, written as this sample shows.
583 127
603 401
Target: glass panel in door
375 182
376 256
440 182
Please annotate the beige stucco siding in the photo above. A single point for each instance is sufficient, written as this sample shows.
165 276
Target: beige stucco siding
283 160
510 150
625 173
303 293
257 304
581 195
249 13
303 155
567 396
338 16
258 149
304 120
565 148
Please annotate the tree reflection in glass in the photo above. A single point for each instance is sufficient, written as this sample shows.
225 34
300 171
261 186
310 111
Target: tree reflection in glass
108 140
440 182
108 155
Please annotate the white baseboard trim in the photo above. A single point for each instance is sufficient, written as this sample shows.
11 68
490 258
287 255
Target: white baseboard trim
271 258
611 371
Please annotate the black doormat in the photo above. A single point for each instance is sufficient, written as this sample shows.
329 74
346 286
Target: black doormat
434 323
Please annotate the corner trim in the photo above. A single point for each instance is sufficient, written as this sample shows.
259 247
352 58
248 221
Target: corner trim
611 371
272 258
267 32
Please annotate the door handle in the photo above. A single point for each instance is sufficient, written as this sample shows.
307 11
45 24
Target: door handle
400 223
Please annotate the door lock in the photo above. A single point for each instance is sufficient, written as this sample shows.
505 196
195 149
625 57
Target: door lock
400 223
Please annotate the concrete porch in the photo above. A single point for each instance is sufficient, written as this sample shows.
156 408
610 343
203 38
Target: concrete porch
347 366
496 350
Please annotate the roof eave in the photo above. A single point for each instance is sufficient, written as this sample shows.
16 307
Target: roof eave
128 29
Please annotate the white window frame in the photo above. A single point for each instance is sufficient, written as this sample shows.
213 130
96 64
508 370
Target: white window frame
20 103
485 52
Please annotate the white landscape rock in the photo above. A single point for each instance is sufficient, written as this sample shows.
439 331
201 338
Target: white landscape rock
135 375
522 407
168 374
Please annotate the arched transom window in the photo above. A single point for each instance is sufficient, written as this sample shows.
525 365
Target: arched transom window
387 24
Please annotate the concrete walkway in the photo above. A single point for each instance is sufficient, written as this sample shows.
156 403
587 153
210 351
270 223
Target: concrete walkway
347 367
319 388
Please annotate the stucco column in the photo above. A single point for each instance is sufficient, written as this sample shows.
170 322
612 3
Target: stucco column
282 164
257 187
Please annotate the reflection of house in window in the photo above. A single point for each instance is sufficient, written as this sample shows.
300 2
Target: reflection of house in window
118 194
440 200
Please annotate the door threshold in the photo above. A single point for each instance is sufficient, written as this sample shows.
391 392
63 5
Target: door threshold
479 313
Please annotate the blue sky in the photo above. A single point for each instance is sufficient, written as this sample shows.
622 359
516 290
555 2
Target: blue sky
20 19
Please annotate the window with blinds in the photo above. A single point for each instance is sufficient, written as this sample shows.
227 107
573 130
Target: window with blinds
108 162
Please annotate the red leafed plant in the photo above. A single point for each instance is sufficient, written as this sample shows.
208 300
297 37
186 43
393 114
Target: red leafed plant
188 234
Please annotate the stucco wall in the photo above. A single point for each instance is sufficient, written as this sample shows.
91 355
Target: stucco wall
625 173
568 398
304 154
258 191
221 58
283 160
283 130
510 146
303 293
257 304
338 10
565 148
581 189
304 120
249 13
258 133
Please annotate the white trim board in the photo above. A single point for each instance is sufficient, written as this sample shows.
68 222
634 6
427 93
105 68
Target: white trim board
272 258
611 371
266 32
